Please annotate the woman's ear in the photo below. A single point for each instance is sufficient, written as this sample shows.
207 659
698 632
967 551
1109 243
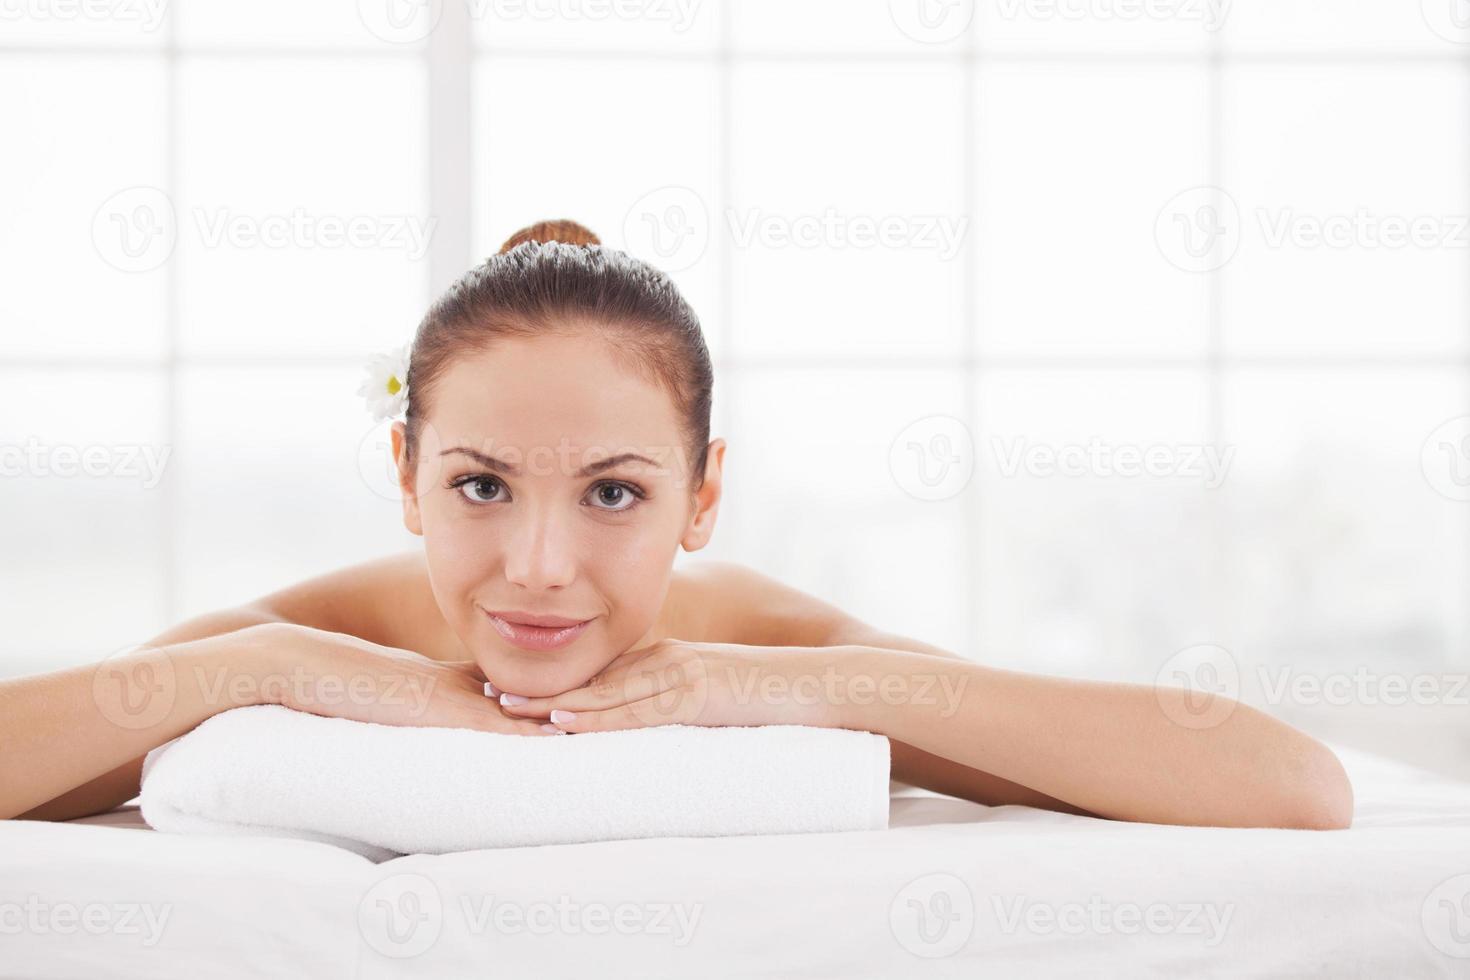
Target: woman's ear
707 500
406 479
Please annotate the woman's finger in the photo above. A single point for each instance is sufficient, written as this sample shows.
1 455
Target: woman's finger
635 680
490 719
650 712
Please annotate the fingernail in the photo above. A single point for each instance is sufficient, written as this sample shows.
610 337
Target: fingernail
513 699
490 691
562 717
553 729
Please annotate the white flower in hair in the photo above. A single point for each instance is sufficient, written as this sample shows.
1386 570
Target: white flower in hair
386 387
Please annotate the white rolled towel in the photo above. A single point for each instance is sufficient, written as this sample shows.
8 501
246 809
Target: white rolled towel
382 790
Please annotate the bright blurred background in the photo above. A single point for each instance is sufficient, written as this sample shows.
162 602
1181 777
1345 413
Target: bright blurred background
1115 338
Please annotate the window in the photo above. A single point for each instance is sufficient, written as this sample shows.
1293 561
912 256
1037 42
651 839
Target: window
1042 243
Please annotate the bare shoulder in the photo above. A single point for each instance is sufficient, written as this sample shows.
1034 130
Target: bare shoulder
727 602
738 604
385 600
390 601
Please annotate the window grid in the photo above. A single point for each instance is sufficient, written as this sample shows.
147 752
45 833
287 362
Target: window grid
970 302
1040 54
168 487
724 178
450 113
1217 575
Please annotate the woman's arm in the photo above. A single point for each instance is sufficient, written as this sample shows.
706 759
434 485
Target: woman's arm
1120 751
742 605
74 740
1309 786
1313 790
911 764
1111 749
342 601
66 730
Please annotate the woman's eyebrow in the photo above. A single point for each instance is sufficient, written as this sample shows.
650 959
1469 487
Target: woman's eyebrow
501 466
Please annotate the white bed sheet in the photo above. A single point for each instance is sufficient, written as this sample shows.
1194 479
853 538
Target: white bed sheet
1004 891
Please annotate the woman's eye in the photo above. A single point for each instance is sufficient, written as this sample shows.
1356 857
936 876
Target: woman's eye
479 489
611 497
614 496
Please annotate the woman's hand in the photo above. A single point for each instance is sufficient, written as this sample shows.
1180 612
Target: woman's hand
339 675
678 682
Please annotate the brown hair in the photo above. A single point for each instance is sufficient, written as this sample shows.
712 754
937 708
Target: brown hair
557 277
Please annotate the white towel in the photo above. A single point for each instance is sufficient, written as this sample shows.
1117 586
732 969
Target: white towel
382 790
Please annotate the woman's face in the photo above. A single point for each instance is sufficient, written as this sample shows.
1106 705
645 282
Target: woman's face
521 515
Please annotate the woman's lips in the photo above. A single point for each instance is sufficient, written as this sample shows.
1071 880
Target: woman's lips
536 637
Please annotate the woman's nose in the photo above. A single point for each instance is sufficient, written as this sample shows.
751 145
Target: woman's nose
540 554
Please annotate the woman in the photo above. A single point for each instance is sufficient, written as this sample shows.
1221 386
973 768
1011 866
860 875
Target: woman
554 456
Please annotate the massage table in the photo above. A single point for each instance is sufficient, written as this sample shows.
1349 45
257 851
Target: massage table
950 889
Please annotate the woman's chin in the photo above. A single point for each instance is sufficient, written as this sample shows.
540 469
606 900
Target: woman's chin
538 680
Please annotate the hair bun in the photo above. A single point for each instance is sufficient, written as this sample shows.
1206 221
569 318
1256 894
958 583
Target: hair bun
560 230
